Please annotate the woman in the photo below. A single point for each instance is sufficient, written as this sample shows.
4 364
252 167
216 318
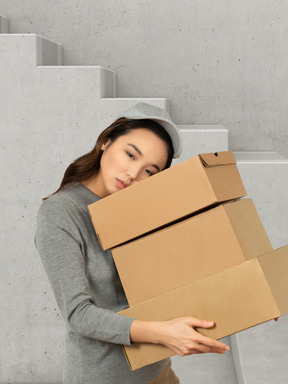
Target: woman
83 277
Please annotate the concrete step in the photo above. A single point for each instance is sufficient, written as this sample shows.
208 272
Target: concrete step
78 101
202 139
260 353
3 24
29 50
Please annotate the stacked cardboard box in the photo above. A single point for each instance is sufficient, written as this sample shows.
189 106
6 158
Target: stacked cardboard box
185 244
177 192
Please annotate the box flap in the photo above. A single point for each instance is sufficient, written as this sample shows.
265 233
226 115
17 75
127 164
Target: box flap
217 158
275 267
248 228
235 299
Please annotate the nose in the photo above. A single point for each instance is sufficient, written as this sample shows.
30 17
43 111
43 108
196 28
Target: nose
133 174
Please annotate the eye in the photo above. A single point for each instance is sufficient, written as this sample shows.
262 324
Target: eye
149 172
130 155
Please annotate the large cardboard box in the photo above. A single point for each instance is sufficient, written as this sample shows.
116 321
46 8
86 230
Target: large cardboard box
186 188
194 248
237 298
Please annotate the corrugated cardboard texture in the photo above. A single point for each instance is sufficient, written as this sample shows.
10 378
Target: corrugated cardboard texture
190 250
235 299
166 197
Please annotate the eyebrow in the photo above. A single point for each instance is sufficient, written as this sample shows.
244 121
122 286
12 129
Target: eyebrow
141 154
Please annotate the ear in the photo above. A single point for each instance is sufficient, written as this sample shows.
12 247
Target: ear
105 145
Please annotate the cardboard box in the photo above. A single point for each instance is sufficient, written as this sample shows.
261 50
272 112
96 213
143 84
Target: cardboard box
237 298
194 248
186 188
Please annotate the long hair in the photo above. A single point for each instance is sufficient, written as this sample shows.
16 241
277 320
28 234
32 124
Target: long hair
89 164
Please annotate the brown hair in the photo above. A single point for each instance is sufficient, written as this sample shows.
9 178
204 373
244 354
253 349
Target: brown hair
87 165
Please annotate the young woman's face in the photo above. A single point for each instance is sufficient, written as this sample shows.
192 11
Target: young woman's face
131 158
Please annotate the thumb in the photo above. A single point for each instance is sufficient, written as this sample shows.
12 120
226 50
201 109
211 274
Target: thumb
201 323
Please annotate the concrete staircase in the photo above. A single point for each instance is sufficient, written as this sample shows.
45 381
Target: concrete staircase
50 114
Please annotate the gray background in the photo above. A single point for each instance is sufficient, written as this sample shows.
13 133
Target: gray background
221 62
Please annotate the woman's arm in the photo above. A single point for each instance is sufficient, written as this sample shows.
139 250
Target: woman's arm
177 334
59 243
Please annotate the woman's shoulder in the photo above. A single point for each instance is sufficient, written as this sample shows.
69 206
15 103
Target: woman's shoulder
73 199
63 210
58 204
59 200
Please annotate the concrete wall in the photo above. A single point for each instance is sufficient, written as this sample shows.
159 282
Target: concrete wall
218 62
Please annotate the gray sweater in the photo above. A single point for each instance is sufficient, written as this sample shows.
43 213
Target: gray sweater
88 292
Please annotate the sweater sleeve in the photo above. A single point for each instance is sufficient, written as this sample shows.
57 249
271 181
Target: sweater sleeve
58 242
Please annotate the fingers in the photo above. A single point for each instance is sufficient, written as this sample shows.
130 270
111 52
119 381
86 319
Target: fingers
185 340
201 339
198 323
198 348
211 342
214 345
210 345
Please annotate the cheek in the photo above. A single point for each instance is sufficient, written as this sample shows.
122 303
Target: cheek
111 161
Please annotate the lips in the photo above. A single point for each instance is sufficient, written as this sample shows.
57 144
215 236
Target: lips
121 184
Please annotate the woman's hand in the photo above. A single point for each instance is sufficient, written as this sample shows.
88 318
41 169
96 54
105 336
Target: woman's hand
177 334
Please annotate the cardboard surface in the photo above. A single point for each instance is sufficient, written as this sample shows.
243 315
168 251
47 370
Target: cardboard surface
181 190
190 250
235 299
275 268
217 158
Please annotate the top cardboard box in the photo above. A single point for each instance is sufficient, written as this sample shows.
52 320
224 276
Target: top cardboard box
182 190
